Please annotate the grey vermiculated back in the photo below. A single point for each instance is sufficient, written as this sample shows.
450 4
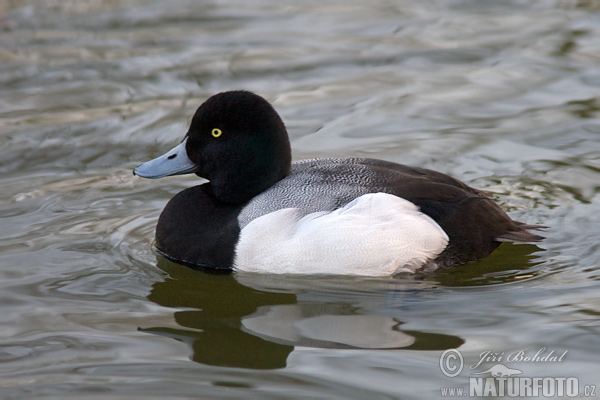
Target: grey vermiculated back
316 185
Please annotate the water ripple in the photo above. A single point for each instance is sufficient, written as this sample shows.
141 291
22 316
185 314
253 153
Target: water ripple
502 95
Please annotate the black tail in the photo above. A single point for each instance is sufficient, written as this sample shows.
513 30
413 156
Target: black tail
521 234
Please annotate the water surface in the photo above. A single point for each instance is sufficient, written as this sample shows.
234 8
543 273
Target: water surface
502 95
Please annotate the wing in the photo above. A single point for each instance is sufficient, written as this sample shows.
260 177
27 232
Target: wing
473 222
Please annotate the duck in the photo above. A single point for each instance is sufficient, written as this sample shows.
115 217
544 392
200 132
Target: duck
260 212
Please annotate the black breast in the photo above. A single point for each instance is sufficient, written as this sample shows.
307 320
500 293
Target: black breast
198 230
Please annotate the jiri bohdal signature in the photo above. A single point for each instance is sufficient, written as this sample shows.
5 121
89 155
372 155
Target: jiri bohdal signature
524 355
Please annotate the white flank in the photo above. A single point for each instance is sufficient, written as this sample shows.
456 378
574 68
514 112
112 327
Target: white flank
377 234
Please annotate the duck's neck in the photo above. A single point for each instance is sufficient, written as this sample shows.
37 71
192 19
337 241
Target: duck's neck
249 173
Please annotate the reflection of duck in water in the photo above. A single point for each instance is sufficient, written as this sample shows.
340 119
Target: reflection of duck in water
231 324
354 216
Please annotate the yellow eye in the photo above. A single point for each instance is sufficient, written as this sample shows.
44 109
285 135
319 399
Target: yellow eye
216 132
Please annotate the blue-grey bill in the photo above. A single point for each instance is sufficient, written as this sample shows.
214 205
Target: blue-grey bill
173 162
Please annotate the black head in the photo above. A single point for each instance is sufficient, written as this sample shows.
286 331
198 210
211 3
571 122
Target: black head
237 141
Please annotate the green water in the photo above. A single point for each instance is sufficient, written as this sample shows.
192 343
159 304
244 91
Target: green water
502 95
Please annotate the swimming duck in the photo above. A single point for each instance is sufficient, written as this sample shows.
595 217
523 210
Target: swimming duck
261 212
